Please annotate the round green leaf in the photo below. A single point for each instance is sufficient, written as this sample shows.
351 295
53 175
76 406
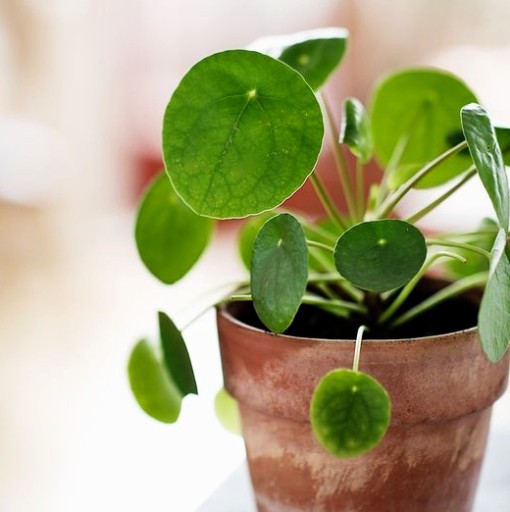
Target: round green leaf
279 271
241 133
152 387
350 412
494 314
248 234
313 53
355 131
422 105
486 154
176 357
380 255
227 411
169 236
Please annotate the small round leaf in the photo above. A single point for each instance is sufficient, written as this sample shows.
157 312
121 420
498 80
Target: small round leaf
356 131
350 412
151 385
227 411
317 57
241 134
380 255
423 105
176 356
314 53
279 271
169 236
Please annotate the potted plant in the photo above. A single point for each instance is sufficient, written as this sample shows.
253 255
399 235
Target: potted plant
401 423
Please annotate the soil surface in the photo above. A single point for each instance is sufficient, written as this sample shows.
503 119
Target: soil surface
311 322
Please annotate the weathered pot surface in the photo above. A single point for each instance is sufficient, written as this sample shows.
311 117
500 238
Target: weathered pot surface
442 390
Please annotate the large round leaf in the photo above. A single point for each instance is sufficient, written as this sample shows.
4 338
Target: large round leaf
422 105
486 154
169 236
380 255
279 271
152 386
350 412
241 133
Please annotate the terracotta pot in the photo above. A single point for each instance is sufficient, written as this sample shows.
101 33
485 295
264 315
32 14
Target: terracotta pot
442 390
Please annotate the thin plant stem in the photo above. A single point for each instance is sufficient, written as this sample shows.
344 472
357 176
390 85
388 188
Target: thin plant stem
459 245
393 163
357 348
324 278
360 189
328 266
398 151
471 235
326 290
317 230
319 255
334 277
319 301
326 201
427 209
468 283
390 203
313 300
320 245
234 285
409 287
341 164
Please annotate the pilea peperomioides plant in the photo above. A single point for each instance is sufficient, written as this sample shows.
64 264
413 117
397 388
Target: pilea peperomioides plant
241 133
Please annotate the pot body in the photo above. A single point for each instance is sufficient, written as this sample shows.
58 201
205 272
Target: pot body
442 389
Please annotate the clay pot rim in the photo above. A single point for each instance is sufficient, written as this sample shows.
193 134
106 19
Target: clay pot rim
223 309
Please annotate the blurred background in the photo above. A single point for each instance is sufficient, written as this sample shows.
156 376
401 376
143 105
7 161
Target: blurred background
83 87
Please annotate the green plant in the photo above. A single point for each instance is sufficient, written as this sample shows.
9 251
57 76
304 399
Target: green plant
241 133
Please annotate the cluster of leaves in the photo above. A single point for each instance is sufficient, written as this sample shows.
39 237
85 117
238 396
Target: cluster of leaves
242 132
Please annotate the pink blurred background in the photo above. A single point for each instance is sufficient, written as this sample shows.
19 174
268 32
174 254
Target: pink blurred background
82 91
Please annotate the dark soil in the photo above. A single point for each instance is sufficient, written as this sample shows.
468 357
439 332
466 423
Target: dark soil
311 322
